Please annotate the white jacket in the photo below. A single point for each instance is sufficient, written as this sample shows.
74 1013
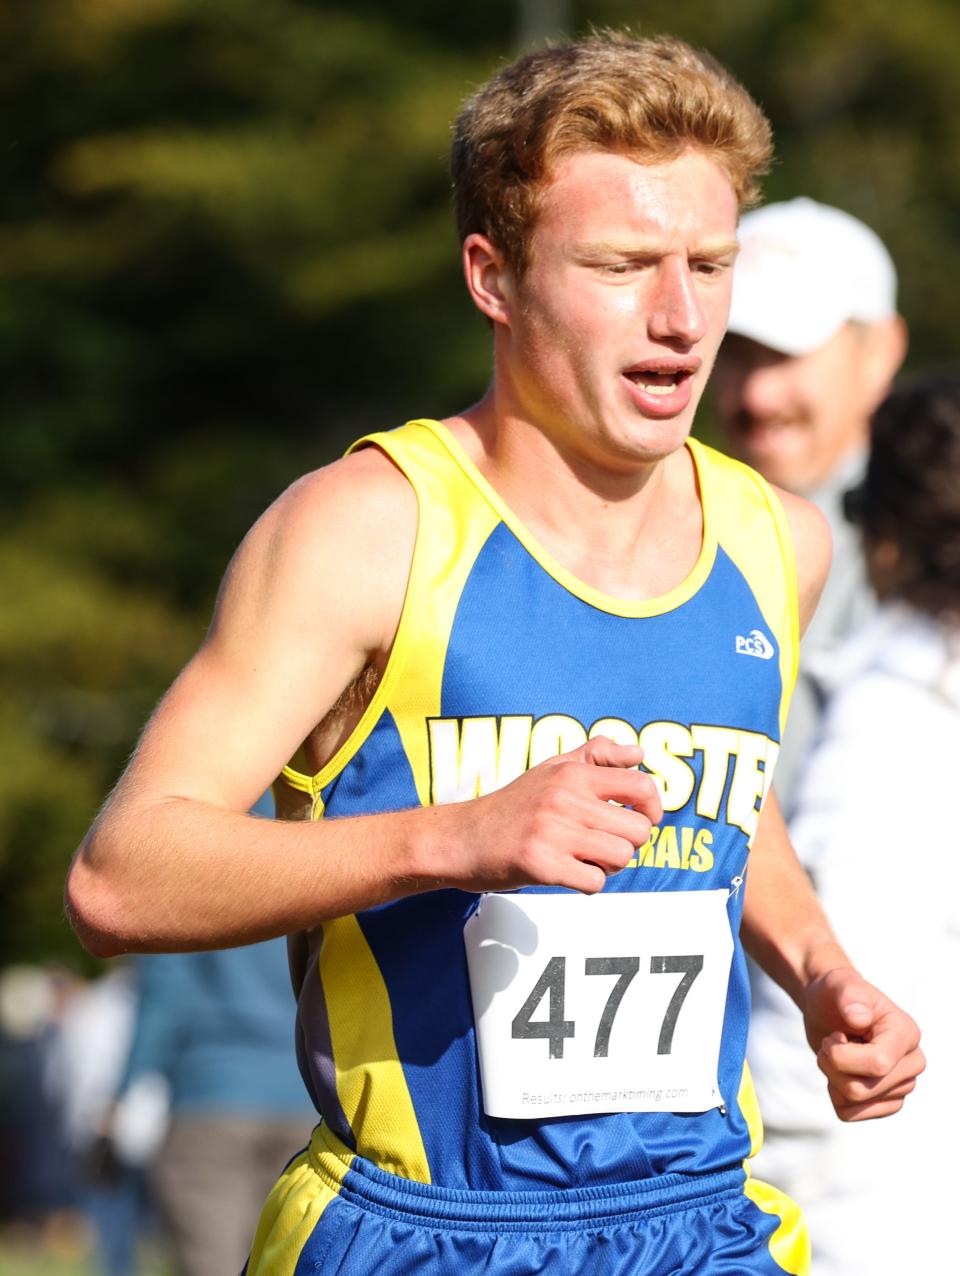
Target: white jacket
877 824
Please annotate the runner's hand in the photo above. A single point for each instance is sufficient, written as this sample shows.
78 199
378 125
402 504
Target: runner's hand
867 1047
571 821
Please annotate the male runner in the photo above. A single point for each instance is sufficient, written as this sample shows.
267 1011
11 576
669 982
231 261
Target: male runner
467 635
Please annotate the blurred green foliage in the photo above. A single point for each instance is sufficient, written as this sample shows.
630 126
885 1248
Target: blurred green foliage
225 250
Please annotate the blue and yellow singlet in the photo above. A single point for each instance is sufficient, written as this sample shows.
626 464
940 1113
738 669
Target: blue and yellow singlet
501 660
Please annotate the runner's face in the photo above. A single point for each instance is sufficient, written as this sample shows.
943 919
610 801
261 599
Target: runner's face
795 417
624 303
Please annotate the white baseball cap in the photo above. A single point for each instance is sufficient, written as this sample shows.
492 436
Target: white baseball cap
805 269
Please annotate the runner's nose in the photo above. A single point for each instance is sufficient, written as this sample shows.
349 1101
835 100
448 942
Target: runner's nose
676 314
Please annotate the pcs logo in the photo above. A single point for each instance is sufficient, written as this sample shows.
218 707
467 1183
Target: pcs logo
756 643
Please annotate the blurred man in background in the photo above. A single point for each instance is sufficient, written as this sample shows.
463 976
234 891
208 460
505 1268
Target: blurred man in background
814 342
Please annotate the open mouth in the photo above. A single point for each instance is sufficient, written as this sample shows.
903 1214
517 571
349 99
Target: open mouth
661 388
657 383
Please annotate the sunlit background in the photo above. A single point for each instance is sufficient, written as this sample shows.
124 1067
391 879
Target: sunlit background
226 250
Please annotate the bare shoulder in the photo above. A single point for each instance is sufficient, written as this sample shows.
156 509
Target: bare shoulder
362 498
339 541
311 598
812 547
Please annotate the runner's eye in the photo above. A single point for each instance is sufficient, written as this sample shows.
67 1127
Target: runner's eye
710 268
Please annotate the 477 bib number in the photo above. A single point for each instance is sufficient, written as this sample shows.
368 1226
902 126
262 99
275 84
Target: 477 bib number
609 1003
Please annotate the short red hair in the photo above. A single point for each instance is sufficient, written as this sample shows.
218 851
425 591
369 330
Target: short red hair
650 99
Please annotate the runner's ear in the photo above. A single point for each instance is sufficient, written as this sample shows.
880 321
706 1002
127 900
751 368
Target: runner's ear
489 279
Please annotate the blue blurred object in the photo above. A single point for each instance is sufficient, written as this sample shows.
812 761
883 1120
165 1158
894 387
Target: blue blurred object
219 1027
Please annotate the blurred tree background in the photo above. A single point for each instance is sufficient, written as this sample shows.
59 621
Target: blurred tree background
226 249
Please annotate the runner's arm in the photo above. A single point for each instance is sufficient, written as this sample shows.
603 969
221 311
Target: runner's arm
784 927
313 596
173 861
867 1047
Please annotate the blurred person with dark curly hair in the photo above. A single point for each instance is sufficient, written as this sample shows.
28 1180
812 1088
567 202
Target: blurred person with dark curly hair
875 820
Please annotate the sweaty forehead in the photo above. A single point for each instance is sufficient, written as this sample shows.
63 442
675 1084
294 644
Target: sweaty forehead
606 196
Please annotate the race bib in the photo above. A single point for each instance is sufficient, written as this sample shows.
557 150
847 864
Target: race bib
603 1003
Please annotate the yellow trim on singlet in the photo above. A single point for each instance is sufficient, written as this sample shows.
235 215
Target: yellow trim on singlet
790 1243
768 566
371 1086
452 527
750 1109
313 784
571 583
297 780
289 1216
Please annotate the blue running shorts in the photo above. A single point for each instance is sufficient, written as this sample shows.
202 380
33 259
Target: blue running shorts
334 1212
